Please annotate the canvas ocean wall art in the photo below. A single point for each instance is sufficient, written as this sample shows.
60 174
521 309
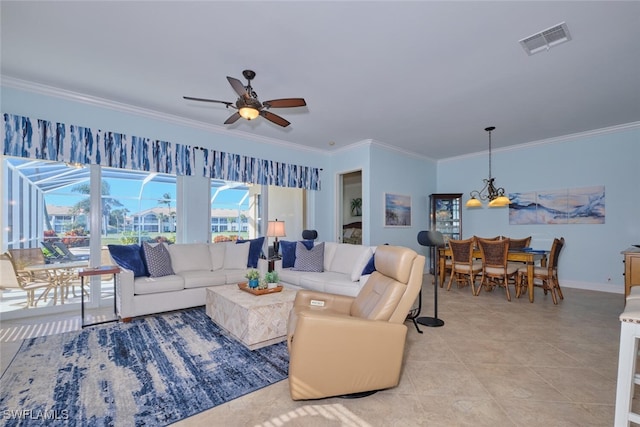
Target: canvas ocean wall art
584 205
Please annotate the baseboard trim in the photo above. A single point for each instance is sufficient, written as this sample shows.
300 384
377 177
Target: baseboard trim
600 287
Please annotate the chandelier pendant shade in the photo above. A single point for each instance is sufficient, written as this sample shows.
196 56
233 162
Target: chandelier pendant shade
495 195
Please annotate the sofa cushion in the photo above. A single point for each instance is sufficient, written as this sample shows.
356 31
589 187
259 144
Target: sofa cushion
309 259
289 275
288 250
202 278
329 252
190 256
346 256
255 249
328 279
360 264
152 285
235 276
216 252
129 257
236 255
158 259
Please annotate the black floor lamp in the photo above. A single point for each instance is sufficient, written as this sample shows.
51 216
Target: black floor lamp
434 240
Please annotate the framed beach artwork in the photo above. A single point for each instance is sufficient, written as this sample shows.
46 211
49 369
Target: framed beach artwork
583 205
397 210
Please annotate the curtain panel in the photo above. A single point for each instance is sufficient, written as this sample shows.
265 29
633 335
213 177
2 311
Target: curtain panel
45 140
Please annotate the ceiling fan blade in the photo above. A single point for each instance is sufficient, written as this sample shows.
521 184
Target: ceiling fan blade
233 118
237 86
285 103
191 98
274 118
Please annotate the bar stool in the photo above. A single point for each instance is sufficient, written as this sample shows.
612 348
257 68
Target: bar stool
627 375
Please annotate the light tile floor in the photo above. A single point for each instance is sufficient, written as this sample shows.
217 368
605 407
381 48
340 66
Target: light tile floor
493 363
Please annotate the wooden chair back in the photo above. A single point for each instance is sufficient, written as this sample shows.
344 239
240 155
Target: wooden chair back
556 248
462 250
494 252
516 244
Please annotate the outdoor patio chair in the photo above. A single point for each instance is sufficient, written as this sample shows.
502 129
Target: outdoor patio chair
67 253
15 262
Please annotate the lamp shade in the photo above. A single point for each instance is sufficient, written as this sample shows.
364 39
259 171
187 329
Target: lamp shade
499 202
474 203
276 229
249 113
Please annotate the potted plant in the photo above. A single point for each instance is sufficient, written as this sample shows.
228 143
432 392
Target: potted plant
272 279
254 278
356 206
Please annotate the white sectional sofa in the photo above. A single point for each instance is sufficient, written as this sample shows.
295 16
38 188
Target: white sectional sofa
196 266
343 266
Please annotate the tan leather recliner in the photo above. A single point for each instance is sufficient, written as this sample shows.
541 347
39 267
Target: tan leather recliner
341 345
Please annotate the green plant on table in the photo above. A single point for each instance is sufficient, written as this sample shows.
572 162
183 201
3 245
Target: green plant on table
271 277
253 274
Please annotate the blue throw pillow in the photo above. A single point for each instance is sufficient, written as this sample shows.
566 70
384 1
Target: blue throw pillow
255 249
288 250
371 265
129 257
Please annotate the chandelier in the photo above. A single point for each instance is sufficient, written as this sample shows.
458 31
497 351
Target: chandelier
489 192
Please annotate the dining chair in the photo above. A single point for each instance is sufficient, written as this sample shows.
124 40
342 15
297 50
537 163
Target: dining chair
515 245
495 268
548 274
518 244
28 281
464 268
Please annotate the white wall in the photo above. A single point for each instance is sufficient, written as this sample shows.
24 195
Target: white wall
591 257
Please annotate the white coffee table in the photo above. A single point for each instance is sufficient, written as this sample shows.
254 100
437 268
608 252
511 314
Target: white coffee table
254 320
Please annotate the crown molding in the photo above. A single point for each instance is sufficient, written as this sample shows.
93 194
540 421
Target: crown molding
42 89
555 140
372 142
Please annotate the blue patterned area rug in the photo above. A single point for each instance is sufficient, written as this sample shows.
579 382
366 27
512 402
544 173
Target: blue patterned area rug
152 371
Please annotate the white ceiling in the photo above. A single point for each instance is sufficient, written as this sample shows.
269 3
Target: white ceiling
424 76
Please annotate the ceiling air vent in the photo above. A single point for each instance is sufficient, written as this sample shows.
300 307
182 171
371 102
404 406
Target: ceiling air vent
546 39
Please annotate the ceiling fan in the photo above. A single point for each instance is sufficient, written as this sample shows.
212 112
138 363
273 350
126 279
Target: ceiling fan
248 105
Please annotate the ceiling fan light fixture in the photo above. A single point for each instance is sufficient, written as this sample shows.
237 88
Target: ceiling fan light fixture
248 113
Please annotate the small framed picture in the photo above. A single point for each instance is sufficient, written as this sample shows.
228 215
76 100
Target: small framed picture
397 210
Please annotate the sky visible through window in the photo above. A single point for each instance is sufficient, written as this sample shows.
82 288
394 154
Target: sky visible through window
128 193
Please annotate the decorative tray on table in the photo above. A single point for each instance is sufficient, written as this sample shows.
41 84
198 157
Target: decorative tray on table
245 287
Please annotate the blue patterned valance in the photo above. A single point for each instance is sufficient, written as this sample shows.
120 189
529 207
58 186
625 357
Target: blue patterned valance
45 140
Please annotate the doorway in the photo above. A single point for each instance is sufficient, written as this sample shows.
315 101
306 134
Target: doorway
350 209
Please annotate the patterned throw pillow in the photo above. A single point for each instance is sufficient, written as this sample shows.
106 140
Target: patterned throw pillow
288 250
309 259
158 260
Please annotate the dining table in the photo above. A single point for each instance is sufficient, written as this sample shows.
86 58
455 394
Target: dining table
60 275
527 257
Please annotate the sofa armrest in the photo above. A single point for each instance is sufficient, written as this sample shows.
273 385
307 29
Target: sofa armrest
277 265
263 266
124 293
